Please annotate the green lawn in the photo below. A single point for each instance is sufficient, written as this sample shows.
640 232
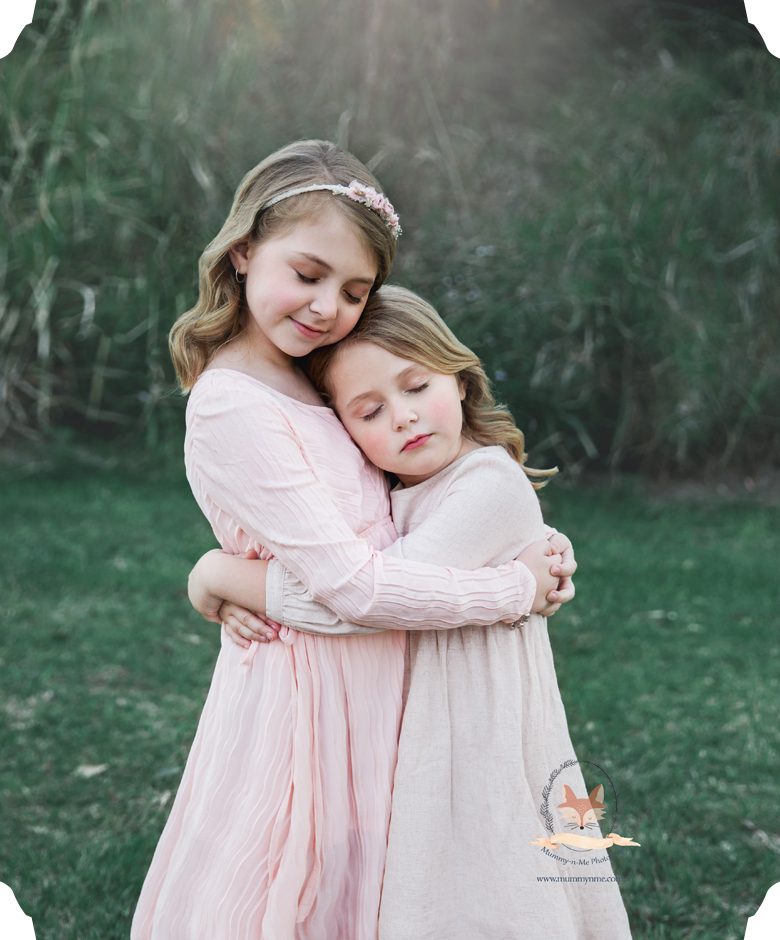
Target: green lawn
668 664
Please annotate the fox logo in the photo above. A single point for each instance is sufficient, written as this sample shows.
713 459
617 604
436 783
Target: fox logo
582 812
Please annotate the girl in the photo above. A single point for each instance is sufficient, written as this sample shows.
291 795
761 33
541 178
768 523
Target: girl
279 826
483 724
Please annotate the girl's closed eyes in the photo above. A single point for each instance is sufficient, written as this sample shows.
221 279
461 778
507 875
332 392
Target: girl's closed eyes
312 279
322 269
409 391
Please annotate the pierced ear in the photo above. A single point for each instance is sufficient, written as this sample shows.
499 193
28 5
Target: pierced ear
239 255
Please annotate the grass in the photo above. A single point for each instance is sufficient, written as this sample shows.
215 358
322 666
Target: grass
667 663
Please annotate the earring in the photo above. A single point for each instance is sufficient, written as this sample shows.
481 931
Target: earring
239 277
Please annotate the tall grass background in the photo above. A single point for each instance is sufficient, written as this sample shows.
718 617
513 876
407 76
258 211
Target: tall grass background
591 199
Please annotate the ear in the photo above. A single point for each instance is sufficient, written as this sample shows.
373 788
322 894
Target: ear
239 255
568 795
461 387
597 795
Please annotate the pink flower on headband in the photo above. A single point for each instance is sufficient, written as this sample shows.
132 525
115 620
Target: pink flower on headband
357 192
368 196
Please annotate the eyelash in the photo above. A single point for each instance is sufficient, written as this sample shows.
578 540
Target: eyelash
311 280
411 391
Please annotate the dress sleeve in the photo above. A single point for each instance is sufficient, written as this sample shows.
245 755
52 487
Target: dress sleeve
253 468
485 497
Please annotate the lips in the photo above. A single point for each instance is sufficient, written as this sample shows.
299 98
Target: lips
416 442
309 331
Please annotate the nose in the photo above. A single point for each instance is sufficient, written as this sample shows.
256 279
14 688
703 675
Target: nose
403 416
325 305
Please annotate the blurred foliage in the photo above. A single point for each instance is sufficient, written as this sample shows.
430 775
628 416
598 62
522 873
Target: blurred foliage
589 197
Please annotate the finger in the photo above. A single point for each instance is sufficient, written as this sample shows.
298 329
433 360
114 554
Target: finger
563 593
549 611
565 569
235 637
269 629
254 627
250 554
248 619
247 632
559 542
555 562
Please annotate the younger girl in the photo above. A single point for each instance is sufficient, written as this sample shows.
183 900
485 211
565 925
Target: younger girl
279 827
483 725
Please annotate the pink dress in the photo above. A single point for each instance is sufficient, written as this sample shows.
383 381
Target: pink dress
279 828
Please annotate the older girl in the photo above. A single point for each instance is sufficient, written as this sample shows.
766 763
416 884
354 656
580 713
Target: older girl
279 826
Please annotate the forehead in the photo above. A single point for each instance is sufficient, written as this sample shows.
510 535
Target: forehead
362 367
364 356
328 234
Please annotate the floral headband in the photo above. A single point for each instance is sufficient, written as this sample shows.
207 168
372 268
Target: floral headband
357 192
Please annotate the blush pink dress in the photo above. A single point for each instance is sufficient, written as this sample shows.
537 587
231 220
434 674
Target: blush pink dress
279 827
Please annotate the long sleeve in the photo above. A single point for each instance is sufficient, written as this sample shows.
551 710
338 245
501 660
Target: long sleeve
243 451
480 516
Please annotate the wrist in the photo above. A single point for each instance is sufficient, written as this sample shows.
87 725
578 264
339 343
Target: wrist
525 597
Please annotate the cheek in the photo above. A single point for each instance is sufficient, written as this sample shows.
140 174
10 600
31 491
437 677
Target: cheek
370 439
449 412
347 321
278 299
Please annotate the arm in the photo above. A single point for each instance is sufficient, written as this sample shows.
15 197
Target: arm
486 497
230 589
244 454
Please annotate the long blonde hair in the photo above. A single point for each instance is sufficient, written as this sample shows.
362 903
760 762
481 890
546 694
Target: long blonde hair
217 317
401 322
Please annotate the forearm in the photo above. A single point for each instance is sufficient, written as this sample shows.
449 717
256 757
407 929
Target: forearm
230 578
445 536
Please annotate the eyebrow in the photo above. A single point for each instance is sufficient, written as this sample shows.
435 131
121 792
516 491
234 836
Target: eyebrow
400 377
327 267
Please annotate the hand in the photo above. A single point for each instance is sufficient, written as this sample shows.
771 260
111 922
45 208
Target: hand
243 626
537 558
561 545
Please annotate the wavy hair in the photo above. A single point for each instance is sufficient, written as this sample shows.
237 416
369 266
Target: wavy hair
398 320
218 316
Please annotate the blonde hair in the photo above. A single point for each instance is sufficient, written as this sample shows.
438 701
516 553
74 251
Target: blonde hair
401 322
217 317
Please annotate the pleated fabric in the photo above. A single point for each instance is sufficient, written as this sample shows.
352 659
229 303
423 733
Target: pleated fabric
279 827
